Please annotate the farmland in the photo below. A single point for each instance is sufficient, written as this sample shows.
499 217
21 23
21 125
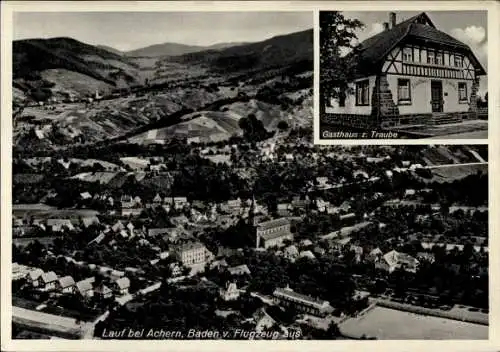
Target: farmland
390 324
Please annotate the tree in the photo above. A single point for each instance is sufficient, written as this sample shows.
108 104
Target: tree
282 125
336 35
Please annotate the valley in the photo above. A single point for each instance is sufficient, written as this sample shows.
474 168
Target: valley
77 94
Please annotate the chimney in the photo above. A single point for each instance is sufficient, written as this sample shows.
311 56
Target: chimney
386 26
392 19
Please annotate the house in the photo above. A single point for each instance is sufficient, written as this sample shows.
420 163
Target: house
19 271
192 253
374 255
47 281
175 269
102 291
121 286
291 253
157 199
180 202
284 209
410 73
409 192
84 289
262 320
273 233
306 243
65 284
395 260
221 263
127 201
118 226
89 221
59 225
307 254
358 252
230 292
426 257
306 304
85 195
99 238
33 276
116 274
126 212
153 232
239 270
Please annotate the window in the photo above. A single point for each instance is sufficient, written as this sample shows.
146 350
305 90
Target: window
407 54
458 61
404 96
439 58
462 92
430 57
362 93
416 55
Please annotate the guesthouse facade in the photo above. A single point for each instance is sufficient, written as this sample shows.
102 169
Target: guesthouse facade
410 73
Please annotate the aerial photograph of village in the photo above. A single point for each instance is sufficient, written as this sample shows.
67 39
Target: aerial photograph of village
404 75
165 185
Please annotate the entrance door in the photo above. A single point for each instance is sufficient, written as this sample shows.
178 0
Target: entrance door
437 96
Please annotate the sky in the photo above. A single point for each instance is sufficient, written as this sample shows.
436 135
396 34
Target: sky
469 27
132 30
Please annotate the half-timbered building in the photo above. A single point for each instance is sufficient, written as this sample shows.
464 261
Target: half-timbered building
410 73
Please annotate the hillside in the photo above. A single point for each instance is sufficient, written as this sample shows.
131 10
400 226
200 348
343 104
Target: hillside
279 51
110 49
186 97
33 57
174 49
165 49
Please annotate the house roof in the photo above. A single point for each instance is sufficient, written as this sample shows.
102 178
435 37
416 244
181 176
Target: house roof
307 254
374 49
87 221
190 246
66 281
289 294
123 283
35 274
83 286
49 277
240 269
103 289
273 223
291 250
59 223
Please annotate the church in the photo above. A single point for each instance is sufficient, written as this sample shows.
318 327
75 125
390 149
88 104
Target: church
409 74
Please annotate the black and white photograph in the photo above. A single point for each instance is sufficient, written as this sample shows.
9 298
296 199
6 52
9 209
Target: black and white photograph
403 75
164 181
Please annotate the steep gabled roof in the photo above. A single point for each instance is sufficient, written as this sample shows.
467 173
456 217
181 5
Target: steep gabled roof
374 49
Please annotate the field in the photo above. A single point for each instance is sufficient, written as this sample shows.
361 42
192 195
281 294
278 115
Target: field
390 324
24 241
449 174
467 129
42 210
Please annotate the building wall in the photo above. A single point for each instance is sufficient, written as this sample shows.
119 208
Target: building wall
420 90
350 107
193 256
278 241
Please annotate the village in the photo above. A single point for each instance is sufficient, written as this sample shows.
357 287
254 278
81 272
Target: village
382 222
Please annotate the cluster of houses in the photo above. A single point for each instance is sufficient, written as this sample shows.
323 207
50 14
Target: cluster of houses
50 282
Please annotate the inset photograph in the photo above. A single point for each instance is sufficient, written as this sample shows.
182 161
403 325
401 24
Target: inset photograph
403 75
